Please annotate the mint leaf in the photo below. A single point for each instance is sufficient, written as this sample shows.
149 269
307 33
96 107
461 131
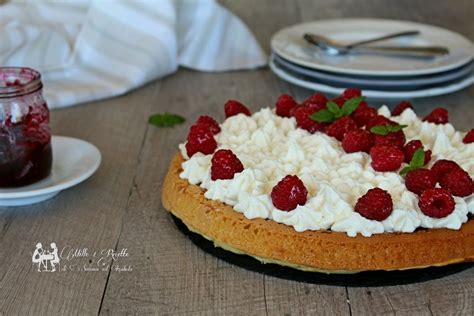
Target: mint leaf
334 112
380 130
417 162
165 119
334 108
396 128
386 129
405 170
322 116
418 159
350 105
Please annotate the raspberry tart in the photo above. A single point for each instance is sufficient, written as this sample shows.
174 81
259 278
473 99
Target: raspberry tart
332 186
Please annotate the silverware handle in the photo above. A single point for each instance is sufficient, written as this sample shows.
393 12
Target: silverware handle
422 51
382 38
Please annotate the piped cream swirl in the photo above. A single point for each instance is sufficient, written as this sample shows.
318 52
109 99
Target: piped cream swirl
271 147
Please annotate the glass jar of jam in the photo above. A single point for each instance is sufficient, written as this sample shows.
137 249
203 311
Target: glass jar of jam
25 135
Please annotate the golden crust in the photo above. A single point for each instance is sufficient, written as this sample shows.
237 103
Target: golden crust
327 251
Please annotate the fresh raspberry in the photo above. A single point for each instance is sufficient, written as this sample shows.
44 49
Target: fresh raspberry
427 156
316 100
386 158
402 106
376 204
233 107
340 100
436 203
210 123
357 140
395 139
363 114
437 116
469 138
443 166
305 122
314 107
289 193
284 105
420 180
410 148
200 139
225 164
379 120
340 127
457 182
293 110
363 104
351 92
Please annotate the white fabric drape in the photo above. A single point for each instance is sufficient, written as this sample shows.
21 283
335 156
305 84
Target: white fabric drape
93 49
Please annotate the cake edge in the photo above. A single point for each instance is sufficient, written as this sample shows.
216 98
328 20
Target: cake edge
313 251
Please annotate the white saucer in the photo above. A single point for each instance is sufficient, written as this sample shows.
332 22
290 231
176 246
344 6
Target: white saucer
74 161
312 84
289 44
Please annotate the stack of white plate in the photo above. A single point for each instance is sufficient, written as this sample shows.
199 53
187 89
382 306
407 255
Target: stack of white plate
380 76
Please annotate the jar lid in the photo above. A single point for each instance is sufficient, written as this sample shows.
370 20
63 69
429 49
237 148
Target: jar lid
18 81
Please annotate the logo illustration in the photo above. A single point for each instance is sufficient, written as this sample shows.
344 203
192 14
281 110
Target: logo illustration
46 259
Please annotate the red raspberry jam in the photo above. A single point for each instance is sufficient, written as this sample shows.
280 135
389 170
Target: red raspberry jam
25 135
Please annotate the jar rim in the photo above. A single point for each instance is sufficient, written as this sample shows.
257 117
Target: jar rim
18 81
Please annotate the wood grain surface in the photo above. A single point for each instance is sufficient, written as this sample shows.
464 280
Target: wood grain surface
120 206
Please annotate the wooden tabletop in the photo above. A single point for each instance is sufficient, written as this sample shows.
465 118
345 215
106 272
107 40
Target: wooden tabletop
120 209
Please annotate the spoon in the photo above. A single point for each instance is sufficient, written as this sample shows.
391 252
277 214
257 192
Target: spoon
383 38
332 47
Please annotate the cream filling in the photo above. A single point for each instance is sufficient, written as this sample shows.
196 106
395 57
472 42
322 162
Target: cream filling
271 147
